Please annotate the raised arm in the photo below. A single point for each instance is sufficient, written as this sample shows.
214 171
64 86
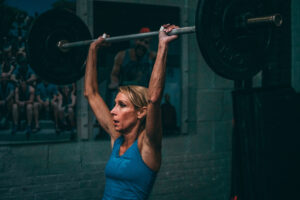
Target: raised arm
96 102
156 87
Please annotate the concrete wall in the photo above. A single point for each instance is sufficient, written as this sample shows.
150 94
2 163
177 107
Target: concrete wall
196 164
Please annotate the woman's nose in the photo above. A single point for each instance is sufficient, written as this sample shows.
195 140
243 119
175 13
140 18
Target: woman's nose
113 111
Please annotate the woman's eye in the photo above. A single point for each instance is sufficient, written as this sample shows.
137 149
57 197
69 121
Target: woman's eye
122 105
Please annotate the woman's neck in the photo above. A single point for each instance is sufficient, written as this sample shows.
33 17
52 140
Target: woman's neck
131 136
129 139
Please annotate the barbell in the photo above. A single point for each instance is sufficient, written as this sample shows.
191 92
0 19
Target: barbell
233 37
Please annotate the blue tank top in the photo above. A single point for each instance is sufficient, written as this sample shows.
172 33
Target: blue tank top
127 176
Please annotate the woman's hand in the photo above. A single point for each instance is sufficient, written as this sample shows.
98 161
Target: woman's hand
99 42
163 33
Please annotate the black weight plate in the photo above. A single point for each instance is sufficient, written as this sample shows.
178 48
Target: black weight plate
46 59
231 49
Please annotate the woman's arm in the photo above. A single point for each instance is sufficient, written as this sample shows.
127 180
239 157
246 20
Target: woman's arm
153 137
156 87
96 102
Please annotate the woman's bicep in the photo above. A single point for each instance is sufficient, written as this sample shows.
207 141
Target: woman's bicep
102 114
153 125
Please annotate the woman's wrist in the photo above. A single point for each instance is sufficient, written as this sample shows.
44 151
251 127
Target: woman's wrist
162 45
93 47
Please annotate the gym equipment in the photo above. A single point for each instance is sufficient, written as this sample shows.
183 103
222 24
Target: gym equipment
233 37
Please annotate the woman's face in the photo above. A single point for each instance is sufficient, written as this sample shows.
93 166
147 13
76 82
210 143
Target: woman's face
124 114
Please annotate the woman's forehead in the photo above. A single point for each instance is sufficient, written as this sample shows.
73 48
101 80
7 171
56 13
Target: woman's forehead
121 97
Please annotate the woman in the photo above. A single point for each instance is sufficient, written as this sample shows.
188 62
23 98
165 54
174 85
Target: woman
134 125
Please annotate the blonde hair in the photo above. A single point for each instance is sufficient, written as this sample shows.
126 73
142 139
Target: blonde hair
138 96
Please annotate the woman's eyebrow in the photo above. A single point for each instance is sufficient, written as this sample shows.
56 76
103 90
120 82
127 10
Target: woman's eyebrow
121 101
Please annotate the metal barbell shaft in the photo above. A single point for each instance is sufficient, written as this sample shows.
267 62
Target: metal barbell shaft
178 31
275 19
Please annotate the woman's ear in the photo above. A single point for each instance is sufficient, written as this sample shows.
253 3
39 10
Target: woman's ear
142 112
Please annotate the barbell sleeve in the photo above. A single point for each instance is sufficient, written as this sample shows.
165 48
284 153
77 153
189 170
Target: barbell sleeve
275 20
178 31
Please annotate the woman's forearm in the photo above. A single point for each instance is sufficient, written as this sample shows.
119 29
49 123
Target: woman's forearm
157 80
90 84
156 87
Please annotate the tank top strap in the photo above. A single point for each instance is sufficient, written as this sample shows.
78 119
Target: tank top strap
117 145
136 151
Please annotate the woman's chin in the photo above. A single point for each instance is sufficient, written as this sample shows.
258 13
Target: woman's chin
118 129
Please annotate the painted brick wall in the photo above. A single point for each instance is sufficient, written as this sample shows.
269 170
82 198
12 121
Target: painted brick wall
76 171
295 31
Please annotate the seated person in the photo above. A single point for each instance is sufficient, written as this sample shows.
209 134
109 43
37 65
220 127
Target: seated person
46 100
24 72
66 107
24 97
133 66
6 99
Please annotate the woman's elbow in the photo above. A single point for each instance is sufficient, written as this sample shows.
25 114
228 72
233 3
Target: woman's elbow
87 94
155 97
88 91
